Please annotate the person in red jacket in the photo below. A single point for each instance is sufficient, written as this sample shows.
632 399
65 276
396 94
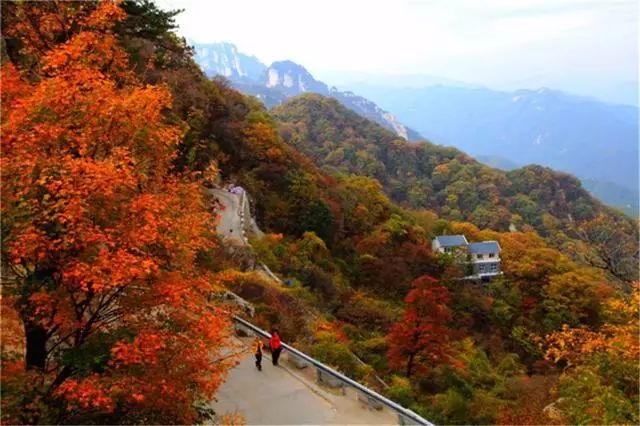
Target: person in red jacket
276 347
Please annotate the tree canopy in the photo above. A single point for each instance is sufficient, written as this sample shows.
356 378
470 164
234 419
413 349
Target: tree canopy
99 238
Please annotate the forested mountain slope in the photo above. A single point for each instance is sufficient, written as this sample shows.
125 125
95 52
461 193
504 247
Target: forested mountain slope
583 136
427 175
364 280
353 254
444 179
611 194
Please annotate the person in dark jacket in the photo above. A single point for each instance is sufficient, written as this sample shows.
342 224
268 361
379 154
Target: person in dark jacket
258 346
276 347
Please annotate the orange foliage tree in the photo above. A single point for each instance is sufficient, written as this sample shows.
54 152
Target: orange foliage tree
421 338
599 383
99 239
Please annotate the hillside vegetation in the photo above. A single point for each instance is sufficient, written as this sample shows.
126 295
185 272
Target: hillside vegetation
447 181
116 229
586 137
345 202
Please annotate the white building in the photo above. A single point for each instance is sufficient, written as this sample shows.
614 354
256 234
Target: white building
483 258
449 243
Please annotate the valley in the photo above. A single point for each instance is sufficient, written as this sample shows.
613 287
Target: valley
160 207
592 140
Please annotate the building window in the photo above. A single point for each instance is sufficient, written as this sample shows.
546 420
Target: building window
479 256
494 267
492 255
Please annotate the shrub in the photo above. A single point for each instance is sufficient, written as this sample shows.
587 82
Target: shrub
337 355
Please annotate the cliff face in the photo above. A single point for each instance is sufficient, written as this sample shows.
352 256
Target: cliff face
293 79
224 59
373 112
285 79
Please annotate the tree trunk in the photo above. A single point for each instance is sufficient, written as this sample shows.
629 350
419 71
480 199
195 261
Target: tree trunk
36 346
410 364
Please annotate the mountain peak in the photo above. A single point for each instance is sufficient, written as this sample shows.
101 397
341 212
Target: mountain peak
292 78
284 79
224 59
288 64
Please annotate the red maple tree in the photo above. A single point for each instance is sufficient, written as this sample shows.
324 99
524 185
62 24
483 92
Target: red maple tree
421 338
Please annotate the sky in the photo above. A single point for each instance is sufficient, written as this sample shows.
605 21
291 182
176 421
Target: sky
585 46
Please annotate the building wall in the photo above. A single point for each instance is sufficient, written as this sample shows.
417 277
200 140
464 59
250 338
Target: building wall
488 256
486 267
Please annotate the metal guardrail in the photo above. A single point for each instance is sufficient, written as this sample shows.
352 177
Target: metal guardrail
271 275
248 307
405 416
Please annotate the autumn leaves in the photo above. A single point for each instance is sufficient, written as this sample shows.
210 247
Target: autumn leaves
99 239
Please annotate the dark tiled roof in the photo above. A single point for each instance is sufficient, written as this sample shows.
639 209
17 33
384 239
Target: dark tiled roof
484 247
452 240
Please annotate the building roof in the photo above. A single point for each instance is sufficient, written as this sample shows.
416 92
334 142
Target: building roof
452 240
484 247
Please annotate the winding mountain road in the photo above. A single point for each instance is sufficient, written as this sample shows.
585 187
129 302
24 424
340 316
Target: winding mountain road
229 225
282 395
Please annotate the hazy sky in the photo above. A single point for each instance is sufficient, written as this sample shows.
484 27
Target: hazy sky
500 43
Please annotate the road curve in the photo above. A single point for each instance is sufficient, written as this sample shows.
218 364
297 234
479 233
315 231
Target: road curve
229 225
279 395
284 395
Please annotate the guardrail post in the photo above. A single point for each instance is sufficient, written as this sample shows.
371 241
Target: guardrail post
404 420
326 375
330 381
372 404
296 361
401 420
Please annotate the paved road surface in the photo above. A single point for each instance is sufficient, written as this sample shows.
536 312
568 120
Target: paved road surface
229 225
281 395
285 396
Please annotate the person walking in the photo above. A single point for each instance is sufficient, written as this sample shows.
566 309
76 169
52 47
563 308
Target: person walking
276 347
258 346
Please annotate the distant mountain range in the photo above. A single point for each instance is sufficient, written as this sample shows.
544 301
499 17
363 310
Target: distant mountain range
285 79
593 140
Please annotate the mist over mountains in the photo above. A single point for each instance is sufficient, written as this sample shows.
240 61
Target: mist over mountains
225 59
594 140
284 79
151 210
